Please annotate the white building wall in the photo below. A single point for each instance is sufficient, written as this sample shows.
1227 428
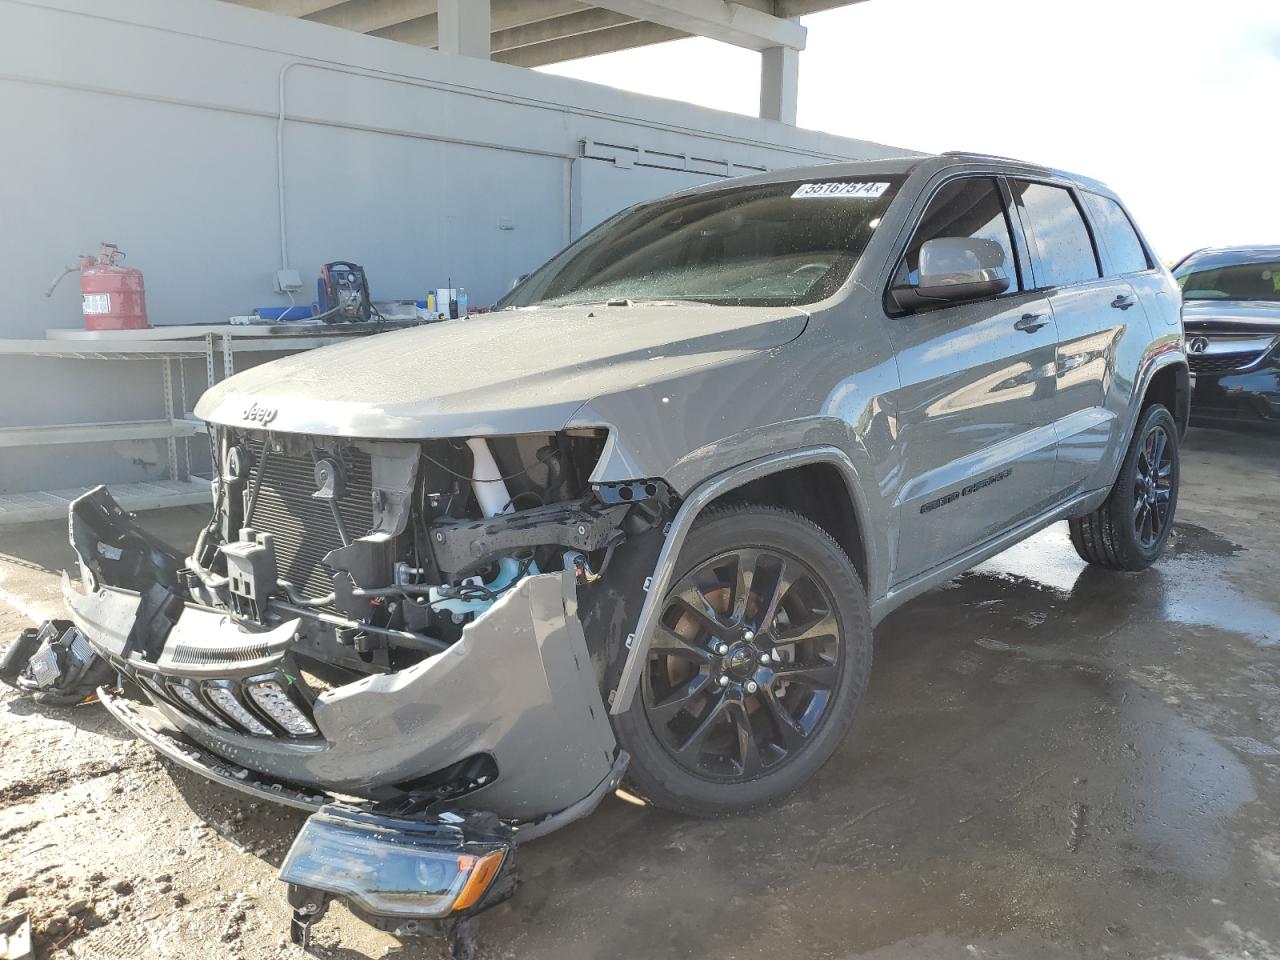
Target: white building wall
153 124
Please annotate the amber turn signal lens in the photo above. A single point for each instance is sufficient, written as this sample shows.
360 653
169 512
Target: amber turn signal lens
483 870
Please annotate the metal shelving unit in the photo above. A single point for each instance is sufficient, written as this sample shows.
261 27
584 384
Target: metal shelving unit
167 346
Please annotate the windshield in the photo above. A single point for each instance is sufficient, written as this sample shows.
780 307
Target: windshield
778 244
1238 276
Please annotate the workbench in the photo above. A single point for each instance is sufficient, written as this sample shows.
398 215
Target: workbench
168 347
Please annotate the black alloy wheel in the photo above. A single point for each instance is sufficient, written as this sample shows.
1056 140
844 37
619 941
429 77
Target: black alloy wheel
1153 486
743 665
1131 527
757 664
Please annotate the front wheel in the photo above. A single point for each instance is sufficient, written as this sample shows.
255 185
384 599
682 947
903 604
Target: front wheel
1130 529
758 662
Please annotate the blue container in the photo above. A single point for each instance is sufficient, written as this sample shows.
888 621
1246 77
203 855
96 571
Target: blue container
285 313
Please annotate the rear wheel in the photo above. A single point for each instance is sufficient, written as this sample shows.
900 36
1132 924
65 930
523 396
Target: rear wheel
1130 529
757 664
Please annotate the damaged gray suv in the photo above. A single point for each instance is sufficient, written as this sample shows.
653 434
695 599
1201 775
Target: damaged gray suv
638 523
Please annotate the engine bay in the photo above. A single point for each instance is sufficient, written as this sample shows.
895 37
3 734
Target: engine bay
381 552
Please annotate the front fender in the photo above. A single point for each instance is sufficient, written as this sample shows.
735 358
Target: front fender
693 505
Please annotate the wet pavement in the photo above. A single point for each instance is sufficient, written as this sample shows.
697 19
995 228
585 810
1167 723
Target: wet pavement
1052 761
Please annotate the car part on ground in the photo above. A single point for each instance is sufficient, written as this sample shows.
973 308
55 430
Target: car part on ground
408 876
54 663
1231 313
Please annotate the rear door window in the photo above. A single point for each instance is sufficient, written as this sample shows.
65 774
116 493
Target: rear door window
1060 242
970 207
1121 240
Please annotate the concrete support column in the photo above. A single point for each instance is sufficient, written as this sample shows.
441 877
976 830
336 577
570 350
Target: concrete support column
779 83
463 27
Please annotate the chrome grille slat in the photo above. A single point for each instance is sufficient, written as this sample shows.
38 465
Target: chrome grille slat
158 687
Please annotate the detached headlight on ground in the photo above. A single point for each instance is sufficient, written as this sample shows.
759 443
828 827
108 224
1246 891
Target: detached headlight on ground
396 869
275 702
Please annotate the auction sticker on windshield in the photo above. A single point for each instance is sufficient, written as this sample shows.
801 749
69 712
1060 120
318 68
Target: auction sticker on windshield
843 190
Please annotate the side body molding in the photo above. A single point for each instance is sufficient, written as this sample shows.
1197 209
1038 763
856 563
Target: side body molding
717 486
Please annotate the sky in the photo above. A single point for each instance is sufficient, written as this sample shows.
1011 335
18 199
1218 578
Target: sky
1175 104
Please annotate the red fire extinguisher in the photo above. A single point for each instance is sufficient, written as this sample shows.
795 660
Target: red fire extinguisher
112 296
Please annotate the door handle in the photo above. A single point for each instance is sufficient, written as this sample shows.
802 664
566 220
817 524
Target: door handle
1122 302
1030 322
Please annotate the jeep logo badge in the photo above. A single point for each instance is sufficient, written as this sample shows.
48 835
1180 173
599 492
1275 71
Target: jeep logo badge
1197 345
259 414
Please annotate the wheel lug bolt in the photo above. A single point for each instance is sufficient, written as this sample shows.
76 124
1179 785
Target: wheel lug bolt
722 648
748 635
764 658
752 686
724 680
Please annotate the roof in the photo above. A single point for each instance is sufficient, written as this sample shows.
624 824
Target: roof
531 33
927 164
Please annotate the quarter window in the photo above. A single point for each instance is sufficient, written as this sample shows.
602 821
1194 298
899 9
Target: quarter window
1059 239
971 207
1127 252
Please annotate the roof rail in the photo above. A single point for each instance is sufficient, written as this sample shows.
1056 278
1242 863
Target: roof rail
979 155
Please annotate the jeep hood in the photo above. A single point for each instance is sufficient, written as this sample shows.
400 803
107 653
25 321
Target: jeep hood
522 371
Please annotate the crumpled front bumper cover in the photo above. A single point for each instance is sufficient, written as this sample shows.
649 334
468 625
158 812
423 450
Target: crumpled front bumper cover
517 686
134 718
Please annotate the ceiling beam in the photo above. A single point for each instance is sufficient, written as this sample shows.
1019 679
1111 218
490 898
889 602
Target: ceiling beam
589 45
560 28
288 8
422 32
365 16
798 8
733 23
518 13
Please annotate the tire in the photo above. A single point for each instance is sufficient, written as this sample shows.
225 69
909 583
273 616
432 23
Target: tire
798 631
1129 531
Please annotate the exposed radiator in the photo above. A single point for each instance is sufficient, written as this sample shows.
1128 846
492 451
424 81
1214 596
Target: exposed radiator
303 527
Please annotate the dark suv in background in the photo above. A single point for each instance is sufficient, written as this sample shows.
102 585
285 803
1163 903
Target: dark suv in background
1231 311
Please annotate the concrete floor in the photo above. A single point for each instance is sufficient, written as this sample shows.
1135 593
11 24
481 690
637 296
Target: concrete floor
1052 761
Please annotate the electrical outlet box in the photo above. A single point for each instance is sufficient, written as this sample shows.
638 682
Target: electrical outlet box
288 281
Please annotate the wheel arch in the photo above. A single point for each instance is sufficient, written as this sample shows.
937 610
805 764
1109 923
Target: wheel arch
1166 379
817 491
1170 384
788 475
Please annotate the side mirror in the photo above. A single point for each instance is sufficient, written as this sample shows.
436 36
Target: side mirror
953 269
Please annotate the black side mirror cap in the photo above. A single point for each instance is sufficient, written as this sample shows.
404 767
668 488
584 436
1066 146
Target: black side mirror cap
915 299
